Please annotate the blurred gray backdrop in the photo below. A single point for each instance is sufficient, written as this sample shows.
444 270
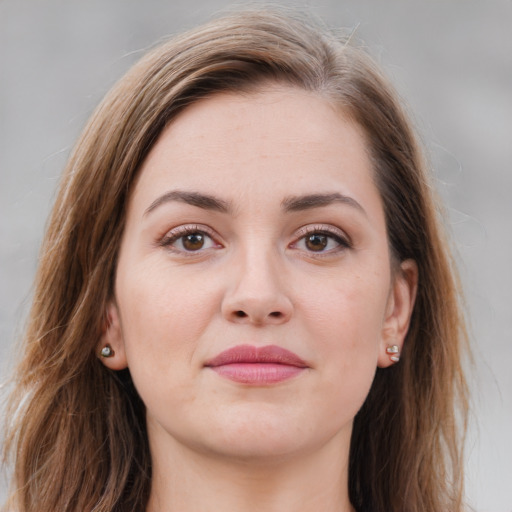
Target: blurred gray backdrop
452 62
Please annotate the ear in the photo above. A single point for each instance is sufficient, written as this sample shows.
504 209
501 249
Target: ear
112 336
398 311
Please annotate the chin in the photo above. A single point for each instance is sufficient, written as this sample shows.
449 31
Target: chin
263 435
256 449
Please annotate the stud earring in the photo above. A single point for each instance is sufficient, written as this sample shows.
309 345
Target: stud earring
107 351
394 353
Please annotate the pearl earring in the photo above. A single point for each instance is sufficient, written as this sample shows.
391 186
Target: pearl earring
107 351
394 353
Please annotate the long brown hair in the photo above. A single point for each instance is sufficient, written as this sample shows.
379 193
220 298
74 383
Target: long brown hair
76 431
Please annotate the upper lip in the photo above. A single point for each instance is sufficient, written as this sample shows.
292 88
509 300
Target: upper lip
251 354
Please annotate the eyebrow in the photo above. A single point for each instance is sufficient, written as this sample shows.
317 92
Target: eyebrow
289 204
307 202
205 201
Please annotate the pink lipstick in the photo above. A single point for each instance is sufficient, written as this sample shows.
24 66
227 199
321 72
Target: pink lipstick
248 364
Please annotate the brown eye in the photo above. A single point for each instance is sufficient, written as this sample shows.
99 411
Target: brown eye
322 241
189 239
316 242
193 241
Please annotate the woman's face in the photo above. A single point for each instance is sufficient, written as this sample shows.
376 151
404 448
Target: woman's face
254 296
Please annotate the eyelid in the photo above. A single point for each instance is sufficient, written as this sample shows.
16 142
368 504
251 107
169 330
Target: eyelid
328 229
336 233
176 233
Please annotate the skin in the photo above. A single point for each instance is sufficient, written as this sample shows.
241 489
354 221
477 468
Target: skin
256 279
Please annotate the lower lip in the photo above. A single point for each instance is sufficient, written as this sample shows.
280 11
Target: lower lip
257 373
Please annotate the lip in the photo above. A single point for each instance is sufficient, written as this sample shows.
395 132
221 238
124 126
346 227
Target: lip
249 364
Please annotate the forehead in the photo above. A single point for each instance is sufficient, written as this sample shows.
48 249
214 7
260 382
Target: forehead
279 140
274 115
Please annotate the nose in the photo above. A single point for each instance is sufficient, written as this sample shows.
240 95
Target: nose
256 294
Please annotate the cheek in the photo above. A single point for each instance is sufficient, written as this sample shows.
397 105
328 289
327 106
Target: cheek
163 314
343 326
346 320
348 311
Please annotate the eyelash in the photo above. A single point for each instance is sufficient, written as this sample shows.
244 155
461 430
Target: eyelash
331 232
182 231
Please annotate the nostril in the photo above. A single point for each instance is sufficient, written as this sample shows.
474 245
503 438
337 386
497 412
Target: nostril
276 314
240 314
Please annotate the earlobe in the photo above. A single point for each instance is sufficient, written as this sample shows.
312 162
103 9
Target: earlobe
398 313
110 349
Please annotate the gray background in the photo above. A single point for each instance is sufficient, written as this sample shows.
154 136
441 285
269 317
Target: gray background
452 62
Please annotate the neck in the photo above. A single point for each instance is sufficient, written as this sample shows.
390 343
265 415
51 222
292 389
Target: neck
187 480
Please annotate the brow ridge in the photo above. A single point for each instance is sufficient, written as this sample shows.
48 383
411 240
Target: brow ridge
309 201
205 201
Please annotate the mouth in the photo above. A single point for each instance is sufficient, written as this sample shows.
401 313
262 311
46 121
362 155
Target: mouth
248 364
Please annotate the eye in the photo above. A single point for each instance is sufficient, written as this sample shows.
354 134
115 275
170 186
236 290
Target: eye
188 239
193 241
321 240
317 242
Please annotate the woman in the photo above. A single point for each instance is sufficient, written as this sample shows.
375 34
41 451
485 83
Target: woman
245 300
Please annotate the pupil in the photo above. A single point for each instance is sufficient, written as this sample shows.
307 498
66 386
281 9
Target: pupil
193 241
316 242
